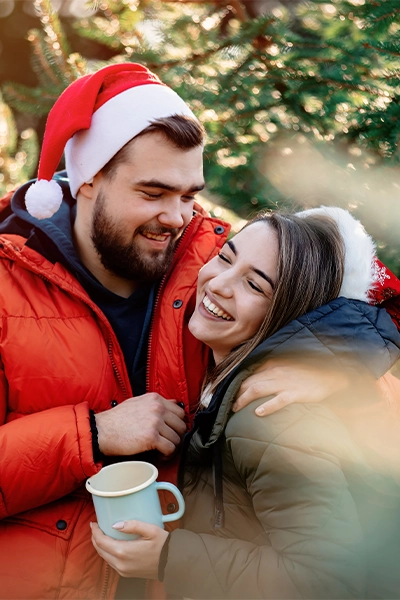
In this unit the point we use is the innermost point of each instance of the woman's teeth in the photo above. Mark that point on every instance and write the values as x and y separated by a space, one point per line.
214 310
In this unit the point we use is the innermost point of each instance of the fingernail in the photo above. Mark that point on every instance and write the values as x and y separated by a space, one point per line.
234 408
259 412
90 524
119 525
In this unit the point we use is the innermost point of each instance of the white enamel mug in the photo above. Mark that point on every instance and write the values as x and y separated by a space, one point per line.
128 490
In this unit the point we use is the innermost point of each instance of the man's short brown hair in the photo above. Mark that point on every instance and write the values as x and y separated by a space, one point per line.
182 132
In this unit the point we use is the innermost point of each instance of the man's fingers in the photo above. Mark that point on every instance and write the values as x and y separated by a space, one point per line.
247 383
174 418
174 407
254 391
165 445
176 423
169 438
170 434
273 405
286 382
257 391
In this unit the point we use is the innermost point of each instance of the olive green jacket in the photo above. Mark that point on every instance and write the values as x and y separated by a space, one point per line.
288 506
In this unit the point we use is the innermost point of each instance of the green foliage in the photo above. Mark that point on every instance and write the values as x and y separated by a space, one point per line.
115 26
54 65
300 107
18 155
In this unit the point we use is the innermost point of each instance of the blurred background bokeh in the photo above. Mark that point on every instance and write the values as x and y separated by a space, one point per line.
300 100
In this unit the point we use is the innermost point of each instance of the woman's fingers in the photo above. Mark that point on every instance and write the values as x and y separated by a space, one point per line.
131 558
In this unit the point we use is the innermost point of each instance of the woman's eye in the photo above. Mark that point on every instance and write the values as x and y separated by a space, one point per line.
255 287
224 258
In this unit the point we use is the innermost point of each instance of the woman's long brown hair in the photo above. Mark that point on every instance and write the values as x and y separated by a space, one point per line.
310 274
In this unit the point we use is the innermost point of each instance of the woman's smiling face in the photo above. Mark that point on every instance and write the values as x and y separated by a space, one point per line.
235 289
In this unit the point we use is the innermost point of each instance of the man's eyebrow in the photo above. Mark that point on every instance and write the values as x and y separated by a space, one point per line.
155 183
260 273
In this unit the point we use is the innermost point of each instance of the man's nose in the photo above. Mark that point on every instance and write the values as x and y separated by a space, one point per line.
172 214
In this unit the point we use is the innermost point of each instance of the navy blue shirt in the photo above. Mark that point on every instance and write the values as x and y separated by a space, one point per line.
130 319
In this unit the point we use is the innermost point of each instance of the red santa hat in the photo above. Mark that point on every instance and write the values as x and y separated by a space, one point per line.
91 121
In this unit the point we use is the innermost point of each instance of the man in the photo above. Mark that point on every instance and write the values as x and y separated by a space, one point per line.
78 292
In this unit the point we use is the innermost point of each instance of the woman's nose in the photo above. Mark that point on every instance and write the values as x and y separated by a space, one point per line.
221 284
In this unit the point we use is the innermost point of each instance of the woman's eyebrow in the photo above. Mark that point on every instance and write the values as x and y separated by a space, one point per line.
232 247
260 273
264 276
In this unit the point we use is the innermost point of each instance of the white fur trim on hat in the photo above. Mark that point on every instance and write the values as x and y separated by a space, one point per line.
114 124
43 198
359 264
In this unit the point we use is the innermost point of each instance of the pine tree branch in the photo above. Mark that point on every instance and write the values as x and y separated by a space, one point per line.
35 39
381 50
391 15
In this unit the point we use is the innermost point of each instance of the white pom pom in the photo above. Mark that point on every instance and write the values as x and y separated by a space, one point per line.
43 199
359 262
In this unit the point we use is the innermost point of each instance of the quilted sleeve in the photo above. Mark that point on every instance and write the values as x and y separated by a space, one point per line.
43 456
290 464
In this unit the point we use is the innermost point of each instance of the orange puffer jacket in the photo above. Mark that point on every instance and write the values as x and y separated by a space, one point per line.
59 358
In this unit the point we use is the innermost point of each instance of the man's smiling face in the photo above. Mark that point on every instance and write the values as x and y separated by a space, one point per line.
142 209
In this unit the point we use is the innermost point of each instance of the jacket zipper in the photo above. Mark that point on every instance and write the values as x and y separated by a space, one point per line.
116 370
156 302
105 582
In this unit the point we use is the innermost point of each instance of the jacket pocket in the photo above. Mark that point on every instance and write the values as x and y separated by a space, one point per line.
57 518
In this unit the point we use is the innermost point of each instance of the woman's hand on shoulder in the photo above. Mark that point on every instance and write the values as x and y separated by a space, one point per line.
287 381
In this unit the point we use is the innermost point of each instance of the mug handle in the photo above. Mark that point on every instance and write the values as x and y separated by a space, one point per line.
164 485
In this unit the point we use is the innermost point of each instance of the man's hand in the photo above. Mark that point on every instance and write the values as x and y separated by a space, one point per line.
289 381
132 558
147 422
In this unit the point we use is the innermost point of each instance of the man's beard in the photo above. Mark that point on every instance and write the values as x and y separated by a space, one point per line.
127 260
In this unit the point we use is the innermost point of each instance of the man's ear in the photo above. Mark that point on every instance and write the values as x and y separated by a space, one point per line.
86 190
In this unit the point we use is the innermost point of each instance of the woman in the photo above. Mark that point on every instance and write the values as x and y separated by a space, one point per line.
289 506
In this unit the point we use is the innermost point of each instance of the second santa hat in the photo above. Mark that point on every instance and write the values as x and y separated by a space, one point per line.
92 120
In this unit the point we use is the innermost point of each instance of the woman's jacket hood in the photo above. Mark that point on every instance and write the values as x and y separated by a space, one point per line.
348 334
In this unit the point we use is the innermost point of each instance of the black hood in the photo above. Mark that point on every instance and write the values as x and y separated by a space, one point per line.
44 235
53 237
